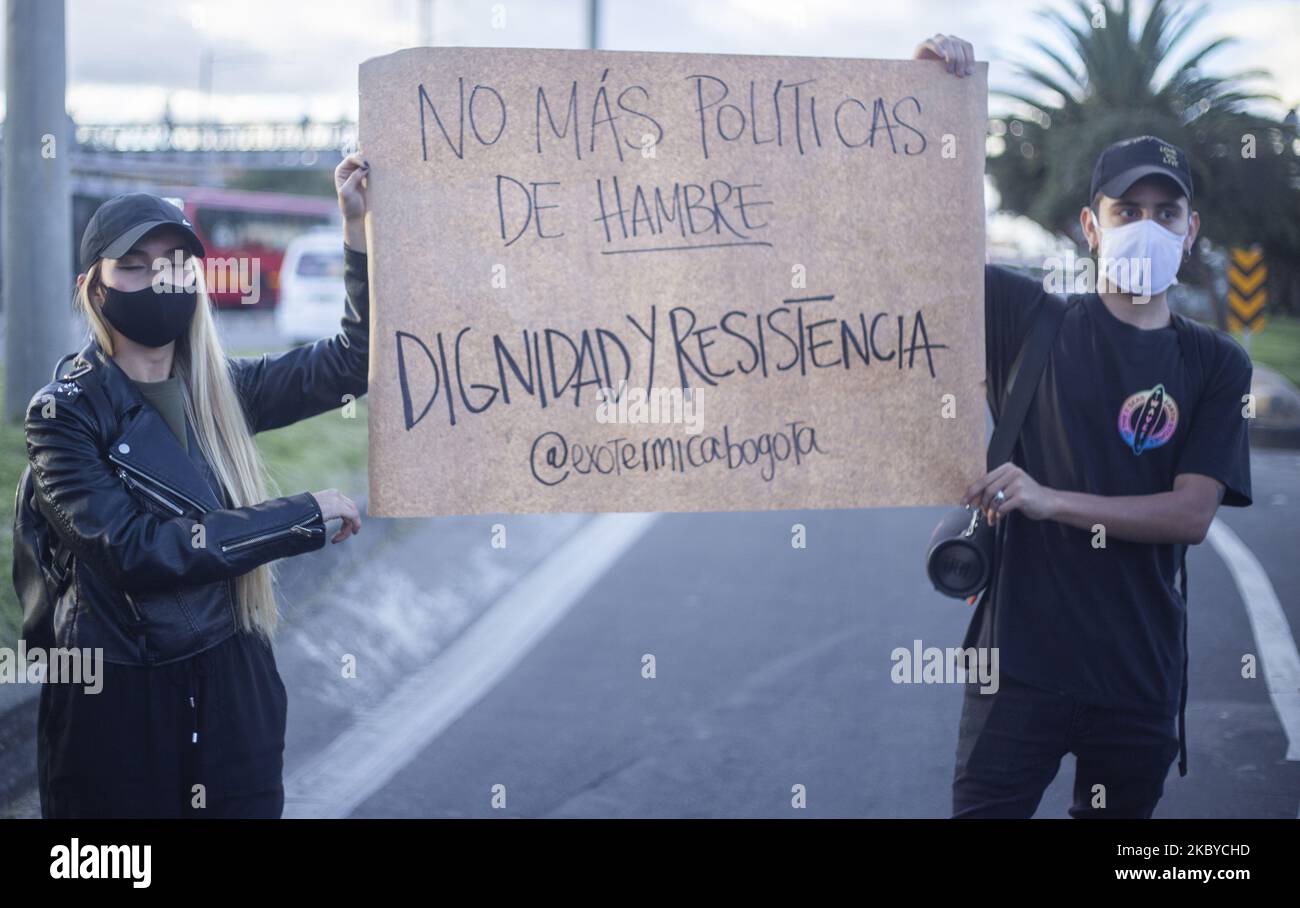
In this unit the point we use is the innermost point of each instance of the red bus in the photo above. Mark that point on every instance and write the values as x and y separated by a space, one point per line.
250 229
253 229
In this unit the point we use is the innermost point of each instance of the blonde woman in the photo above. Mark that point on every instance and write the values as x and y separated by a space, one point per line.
144 466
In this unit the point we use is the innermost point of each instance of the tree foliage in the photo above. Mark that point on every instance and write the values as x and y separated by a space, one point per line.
1123 77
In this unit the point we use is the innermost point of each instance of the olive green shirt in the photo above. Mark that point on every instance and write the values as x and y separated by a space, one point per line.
166 397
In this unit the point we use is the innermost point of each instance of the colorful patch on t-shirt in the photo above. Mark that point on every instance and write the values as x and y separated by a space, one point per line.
1148 419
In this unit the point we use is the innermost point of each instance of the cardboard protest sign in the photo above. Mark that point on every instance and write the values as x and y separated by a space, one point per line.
610 281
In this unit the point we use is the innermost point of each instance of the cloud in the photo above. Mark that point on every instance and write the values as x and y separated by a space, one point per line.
126 57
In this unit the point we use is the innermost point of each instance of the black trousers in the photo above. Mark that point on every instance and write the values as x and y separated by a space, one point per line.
1011 742
203 737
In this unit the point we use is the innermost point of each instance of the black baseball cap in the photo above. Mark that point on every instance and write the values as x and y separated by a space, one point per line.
1124 163
117 224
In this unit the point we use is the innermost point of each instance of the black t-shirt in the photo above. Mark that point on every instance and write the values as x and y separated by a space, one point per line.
1120 411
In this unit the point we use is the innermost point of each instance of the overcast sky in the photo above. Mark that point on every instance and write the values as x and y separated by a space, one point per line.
279 59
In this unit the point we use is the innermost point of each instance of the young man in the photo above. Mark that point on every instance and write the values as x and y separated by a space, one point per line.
1136 435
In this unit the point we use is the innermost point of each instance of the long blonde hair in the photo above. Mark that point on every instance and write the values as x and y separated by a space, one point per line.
214 410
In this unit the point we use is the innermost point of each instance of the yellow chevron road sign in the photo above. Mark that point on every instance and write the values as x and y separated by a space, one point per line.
1247 293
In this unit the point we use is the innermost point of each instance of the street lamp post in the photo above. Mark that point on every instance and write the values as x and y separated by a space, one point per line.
37 217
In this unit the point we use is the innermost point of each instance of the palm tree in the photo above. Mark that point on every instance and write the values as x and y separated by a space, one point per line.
1125 78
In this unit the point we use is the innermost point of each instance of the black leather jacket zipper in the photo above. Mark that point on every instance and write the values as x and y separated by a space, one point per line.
161 499
122 470
135 609
271 534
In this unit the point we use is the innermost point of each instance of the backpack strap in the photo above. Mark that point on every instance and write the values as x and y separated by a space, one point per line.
1022 381
1182 696
1191 352
1190 348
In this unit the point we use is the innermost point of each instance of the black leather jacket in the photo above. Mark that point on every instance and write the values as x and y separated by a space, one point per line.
143 588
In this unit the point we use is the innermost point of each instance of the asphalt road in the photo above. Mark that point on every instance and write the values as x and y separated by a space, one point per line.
772 669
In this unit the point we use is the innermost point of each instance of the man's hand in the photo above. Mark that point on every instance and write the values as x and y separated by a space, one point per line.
350 184
957 55
1019 493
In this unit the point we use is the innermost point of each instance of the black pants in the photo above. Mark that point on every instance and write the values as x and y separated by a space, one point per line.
1011 743
203 737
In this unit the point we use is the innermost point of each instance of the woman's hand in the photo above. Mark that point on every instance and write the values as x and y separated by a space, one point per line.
1019 493
957 55
335 505
350 182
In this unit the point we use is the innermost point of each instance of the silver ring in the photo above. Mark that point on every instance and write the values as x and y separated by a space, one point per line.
1000 496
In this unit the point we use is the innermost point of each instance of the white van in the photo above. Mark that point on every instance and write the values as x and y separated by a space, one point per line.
312 297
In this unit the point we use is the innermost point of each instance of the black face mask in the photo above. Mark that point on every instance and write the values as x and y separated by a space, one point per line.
148 316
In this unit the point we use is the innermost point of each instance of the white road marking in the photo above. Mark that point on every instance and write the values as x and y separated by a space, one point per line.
375 748
1273 638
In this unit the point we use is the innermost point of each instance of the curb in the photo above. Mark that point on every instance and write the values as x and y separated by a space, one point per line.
1275 436
1277 423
